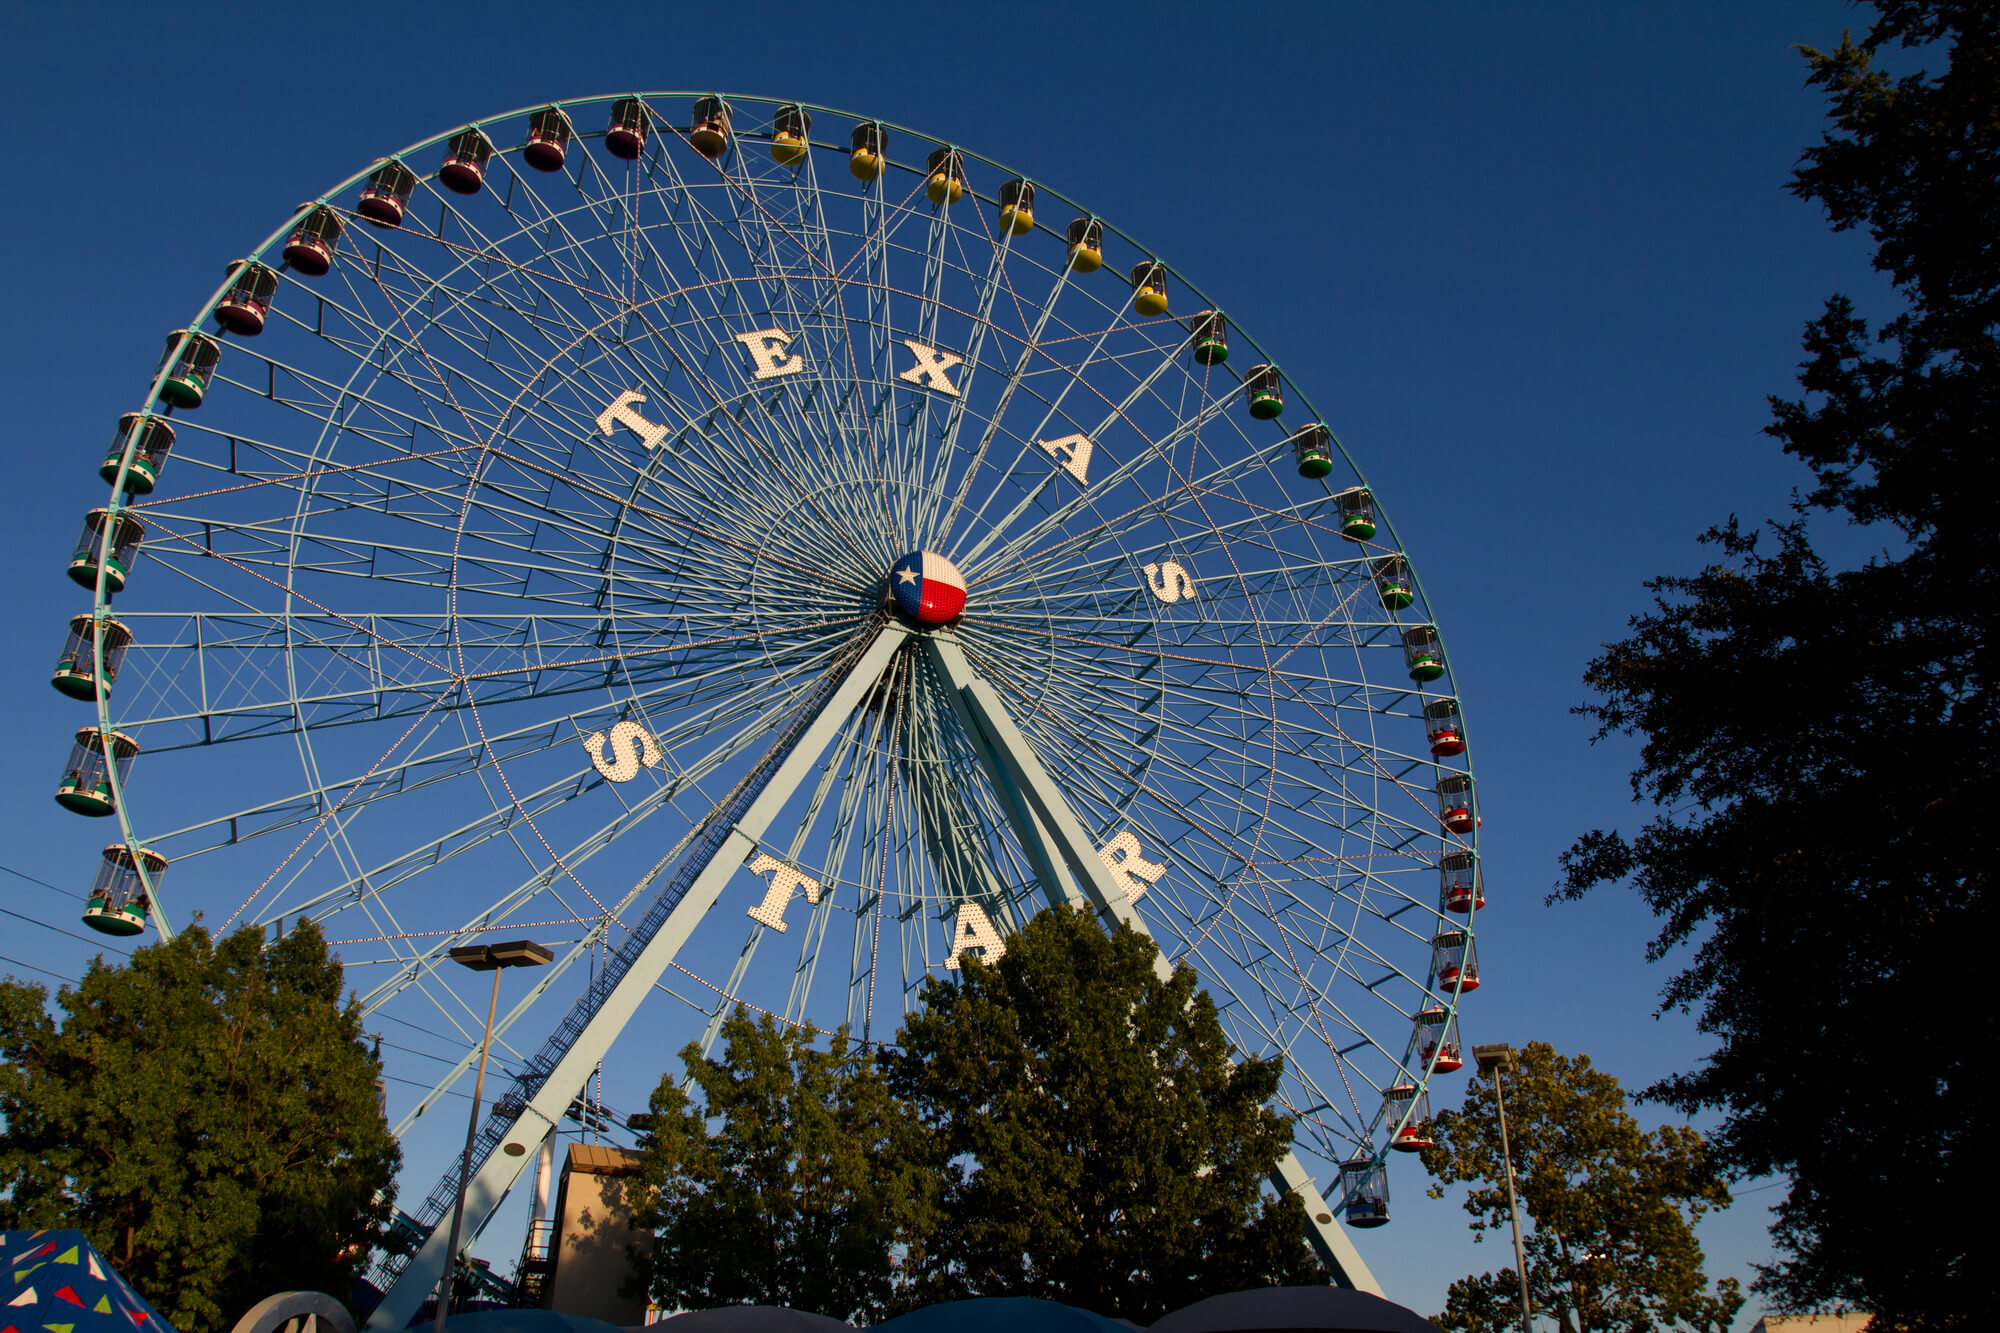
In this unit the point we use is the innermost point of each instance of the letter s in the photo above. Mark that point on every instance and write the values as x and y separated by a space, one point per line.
631 746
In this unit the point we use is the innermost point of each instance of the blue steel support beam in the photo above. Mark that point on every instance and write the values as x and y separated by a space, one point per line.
1052 834
544 1111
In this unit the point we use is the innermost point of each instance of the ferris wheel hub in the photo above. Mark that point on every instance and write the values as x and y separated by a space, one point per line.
927 588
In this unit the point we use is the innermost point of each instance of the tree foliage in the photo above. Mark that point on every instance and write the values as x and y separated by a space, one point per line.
1102 1145
1820 740
801 1192
206 1114
1613 1243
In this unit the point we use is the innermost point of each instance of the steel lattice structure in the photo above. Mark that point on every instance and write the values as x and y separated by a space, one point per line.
529 566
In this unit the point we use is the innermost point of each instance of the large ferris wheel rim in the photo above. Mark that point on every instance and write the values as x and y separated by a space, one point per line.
666 130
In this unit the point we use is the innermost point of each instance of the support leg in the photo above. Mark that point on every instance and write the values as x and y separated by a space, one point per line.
1046 821
545 1109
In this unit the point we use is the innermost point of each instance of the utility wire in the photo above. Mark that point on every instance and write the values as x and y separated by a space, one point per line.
411 1050
36 921
43 970
19 874
449 1092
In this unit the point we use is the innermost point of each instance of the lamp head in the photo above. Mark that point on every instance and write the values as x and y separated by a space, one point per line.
512 953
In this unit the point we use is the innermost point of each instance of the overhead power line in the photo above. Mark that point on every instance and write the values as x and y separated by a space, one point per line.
43 970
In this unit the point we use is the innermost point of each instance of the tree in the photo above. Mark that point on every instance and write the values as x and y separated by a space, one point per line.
1820 740
801 1194
1105 1147
207 1114
1613 1245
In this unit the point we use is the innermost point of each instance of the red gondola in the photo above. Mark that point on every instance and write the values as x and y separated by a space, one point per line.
1454 962
387 194
1455 808
1442 725
549 133
1464 888
464 169
310 249
631 124
243 307
1407 1108
1437 1040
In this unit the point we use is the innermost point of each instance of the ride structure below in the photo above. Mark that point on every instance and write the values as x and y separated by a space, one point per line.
1070 869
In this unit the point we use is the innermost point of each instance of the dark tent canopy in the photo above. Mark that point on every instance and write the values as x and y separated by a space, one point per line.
1331 1309
1002 1314
57 1282
750 1319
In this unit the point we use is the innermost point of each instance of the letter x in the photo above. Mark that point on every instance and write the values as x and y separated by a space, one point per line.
931 367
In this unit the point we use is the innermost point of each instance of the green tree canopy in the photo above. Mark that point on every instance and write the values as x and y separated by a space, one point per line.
206 1114
1820 741
1613 1243
800 1194
1105 1147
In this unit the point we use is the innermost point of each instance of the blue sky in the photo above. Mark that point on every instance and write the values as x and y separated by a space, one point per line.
1536 264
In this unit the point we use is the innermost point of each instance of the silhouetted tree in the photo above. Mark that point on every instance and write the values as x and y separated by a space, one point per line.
1820 741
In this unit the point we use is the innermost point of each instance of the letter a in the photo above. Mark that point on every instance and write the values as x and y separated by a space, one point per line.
767 349
931 367
1073 452
1133 872
785 880
975 931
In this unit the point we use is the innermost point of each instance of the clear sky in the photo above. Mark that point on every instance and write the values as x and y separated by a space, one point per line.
1535 262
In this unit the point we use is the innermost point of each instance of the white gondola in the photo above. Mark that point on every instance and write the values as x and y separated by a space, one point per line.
76 670
118 899
85 786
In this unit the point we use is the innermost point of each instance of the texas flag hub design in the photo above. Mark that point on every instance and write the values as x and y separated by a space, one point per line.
927 587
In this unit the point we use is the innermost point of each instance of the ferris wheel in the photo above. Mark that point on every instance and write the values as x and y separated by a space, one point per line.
776 553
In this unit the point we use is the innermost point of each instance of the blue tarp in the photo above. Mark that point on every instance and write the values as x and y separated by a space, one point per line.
1002 1314
517 1321
57 1282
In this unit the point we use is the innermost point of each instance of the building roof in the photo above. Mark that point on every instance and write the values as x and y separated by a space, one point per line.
1846 1322
601 1160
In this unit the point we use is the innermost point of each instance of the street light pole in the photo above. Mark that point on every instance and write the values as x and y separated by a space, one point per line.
492 958
1492 1059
